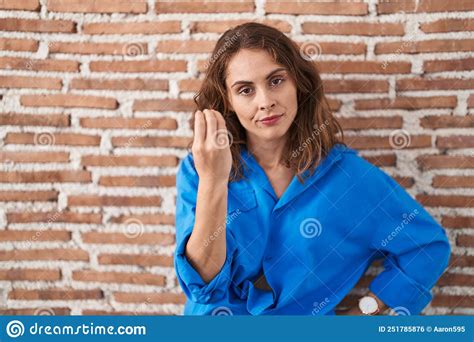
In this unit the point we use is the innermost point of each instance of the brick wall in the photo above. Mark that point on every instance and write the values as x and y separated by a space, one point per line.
95 102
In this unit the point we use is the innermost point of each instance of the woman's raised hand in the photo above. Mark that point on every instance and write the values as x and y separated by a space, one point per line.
211 146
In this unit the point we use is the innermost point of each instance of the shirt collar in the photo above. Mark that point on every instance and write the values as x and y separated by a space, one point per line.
257 176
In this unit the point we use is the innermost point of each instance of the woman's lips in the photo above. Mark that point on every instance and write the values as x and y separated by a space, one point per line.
273 121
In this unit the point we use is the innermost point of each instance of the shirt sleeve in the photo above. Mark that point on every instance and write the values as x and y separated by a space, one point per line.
415 246
194 287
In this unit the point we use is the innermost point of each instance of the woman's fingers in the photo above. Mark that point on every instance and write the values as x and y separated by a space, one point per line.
211 125
199 128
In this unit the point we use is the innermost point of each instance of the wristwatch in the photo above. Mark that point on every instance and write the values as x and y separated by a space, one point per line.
368 305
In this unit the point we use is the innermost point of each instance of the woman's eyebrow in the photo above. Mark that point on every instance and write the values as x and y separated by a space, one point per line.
268 76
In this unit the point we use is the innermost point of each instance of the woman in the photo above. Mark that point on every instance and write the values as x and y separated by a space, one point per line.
274 214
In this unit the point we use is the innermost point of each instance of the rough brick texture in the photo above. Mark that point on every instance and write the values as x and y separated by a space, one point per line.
95 103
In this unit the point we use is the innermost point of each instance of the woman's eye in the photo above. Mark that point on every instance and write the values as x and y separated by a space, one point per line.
278 79
242 91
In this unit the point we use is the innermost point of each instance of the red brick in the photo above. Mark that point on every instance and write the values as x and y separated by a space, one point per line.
447 45
139 66
329 8
452 301
35 235
185 46
99 48
127 123
179 105
456 279
118 238
429 162
38 64
119 277
141 181
143 260
46 177
451 201
119 84
135 201
222 25
30 82
179 142
30 274
421 6
189 85
36 311
363 123
27 5
408 103
71 139
17 196
461 260
34 157
205 6
19 44
45 254
54 217
447 121
459 141
465 240
161 27
382 160
355 86
375 142
103 6
363 67
69 101
151 298
37 25
448 25
448 65
335 48
434 84
16 119
458 222
55 294
453 182
145 219
353 28
137 161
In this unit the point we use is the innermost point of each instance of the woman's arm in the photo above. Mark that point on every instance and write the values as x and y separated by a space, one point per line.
206 247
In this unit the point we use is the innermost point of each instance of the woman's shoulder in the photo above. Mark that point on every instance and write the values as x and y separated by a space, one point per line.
356 167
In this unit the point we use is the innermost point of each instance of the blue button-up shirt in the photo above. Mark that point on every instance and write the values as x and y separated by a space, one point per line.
314 242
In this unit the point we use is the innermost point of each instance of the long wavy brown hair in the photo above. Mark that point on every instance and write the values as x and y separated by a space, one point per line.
314 130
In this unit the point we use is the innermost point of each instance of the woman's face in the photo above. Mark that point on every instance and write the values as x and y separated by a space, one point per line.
259 88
